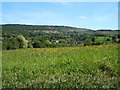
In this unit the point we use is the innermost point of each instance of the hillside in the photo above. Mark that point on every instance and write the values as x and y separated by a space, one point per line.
50 29
41 27
71 67
42 36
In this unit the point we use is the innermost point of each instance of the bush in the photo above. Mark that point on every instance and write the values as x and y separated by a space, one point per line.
23 41
30 45
10 43
38 44
88 42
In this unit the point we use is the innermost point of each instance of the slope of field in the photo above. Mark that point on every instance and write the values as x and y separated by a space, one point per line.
76 67
40 27
28 30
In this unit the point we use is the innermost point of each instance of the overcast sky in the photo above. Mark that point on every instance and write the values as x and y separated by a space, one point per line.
91 15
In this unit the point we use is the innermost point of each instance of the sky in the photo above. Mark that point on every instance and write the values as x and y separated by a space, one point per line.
91 15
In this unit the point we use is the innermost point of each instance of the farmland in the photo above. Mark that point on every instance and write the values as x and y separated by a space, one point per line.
17 36
64 67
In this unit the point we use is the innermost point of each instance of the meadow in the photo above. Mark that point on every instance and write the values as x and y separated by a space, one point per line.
65 67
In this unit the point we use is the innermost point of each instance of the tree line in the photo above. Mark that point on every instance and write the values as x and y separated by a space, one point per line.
28 36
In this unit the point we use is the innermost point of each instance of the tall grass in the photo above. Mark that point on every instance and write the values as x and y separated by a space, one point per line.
76 67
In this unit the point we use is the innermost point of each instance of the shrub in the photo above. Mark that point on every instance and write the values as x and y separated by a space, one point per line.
87 42
23 41
10 43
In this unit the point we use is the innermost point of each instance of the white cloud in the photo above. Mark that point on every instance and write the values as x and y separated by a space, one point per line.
82 17
101 19
45 17
65 3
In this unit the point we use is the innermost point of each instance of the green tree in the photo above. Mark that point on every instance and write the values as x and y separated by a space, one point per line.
38 44
10 43
30 45
23 42
87 41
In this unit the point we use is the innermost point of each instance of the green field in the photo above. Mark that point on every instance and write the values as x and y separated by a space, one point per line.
76 67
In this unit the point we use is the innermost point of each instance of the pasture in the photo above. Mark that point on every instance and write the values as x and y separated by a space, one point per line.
67 67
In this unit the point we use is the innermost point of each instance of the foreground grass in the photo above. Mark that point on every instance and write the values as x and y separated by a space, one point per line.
76 67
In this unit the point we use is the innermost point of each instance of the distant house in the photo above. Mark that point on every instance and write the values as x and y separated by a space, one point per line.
55 41
33 42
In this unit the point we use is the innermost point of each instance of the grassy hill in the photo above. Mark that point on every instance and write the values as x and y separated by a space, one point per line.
46 36
40 27
69 67
20 28
59 57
